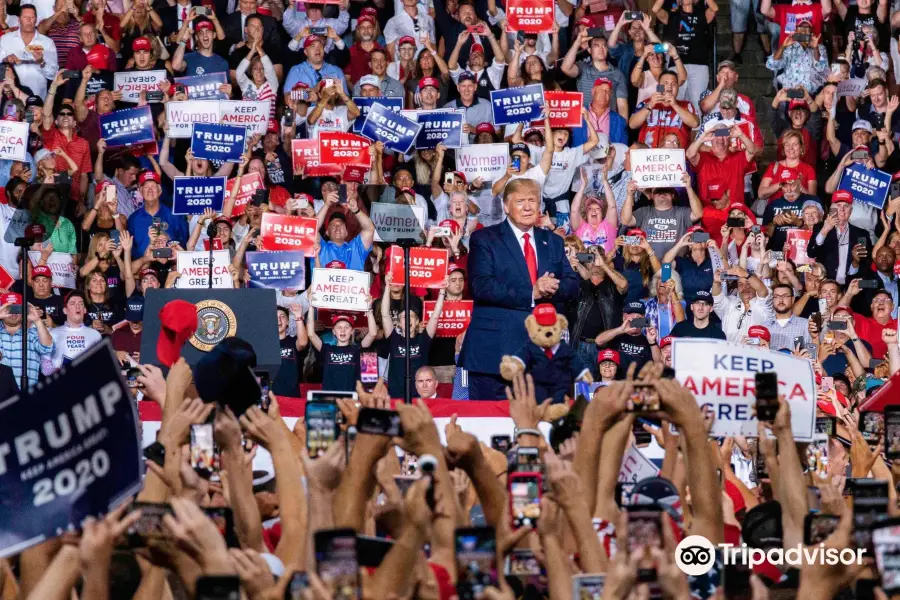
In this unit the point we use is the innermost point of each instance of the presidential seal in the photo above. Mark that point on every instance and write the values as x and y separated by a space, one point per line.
215 322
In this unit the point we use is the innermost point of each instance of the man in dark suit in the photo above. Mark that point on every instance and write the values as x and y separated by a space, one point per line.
234 26
838 245
513 266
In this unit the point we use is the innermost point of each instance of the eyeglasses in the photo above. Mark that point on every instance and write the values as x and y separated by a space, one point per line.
782 296
66 114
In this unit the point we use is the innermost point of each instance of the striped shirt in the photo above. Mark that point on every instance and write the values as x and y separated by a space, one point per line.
66 39
11 347
783 336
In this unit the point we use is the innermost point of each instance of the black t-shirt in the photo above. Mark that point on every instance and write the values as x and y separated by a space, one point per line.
687 329
777 207
340 367
287 380
443 352
107 312
631 349
51 306
419 346
855 22
689 32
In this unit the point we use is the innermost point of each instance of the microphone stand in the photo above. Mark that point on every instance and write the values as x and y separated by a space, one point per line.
406 244
24 243
211 233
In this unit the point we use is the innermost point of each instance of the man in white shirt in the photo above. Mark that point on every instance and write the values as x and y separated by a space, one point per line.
411 22
752 305
74 337
33 54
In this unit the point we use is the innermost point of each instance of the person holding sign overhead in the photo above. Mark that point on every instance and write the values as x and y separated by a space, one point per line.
352 253
513 266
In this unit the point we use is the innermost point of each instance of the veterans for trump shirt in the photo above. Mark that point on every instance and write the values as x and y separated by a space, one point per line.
69 342
663 227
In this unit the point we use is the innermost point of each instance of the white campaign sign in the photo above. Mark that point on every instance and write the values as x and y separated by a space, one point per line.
488 161
13 140
252 114
132 83
635 466
851 87
340 289
396 221
721 375
180 116
193 269
657 168
63 267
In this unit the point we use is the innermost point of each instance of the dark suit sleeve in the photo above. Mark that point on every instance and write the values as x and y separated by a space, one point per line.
491 284
814 250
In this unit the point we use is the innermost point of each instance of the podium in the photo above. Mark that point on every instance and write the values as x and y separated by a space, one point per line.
245 313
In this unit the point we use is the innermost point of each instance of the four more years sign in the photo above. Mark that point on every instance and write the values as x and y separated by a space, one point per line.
78 456
722 377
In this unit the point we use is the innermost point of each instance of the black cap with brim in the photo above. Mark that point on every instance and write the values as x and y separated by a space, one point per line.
519 147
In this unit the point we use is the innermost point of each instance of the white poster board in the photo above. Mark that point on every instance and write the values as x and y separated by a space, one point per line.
252 114
340 289
63 267
396 221
181 116
193 269
657 167
13 140
488 161
132 83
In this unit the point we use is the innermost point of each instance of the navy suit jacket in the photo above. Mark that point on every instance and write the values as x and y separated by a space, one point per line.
502 291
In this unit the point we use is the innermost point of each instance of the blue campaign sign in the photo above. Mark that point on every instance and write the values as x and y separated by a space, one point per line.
282 270
127 127
217 142
366 104
440 128
78 456
517 105
204 87
193 195
869 186
393 129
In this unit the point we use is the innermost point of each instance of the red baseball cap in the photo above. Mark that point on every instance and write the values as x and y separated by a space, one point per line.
845 309
149 271
142 43
795 104
544 314
366 19
98 57
178 322
461 175
148 175
476 49
336 264
637 232
273 126
760 332
41 271
204 25
429 81
603 81
584 21
369 11
788 175
11 298
310 40
453 225
406 39
485 128
608 355
666 341
337 317
842 196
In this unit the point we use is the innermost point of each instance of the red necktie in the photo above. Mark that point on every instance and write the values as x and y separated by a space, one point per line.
549 353
184 16
530 259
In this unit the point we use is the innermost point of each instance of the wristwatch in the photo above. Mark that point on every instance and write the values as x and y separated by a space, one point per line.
526 431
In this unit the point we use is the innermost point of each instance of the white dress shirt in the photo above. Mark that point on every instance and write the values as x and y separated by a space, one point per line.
737 319
520 236
402 24
31 75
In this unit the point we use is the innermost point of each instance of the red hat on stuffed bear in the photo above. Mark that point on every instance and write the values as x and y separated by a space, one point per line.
544 314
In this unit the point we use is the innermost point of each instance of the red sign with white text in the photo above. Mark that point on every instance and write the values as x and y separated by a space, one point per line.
217 244
454 319
564 108
530 16
249 184
305 155
354 174
427 266
339 148
287 232
797 241
6 279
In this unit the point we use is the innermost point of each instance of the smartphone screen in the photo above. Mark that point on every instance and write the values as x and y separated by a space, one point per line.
524 498
644 398
149 524
501 443
516 163
368 363
476 561
892 431
641 437
218 587
886 540
296 587
644 531
321 427
203 450
766 396
867 510
666 272
371 550
379 422
817 527
262 378
872 425
336 562
826 426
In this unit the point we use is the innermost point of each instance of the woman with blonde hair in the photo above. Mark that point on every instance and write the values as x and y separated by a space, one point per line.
793 147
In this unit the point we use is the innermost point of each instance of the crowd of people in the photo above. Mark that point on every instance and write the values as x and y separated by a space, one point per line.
779 252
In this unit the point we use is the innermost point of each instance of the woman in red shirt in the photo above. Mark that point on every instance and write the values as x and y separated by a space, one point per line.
792 144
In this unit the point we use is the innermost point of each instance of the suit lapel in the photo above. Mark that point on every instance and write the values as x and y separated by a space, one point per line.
542 249
512 244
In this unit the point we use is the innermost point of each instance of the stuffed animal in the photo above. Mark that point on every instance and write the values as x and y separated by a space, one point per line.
552 363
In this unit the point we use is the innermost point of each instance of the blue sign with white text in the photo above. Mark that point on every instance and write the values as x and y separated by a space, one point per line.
127 127
78 456
366 104
517 105
217 142
281 270
869 186
440 128
204 87
396 131
193 195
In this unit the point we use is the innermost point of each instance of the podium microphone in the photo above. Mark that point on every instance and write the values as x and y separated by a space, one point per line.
211 231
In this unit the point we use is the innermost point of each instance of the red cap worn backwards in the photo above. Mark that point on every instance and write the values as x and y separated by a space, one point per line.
842 196
544 314
177 323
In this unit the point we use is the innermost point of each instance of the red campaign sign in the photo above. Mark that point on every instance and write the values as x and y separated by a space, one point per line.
797 240
564 108
427 266
217 244
354 174
339 148
530 16
249 184
306 155
6 279
287 232
454 318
